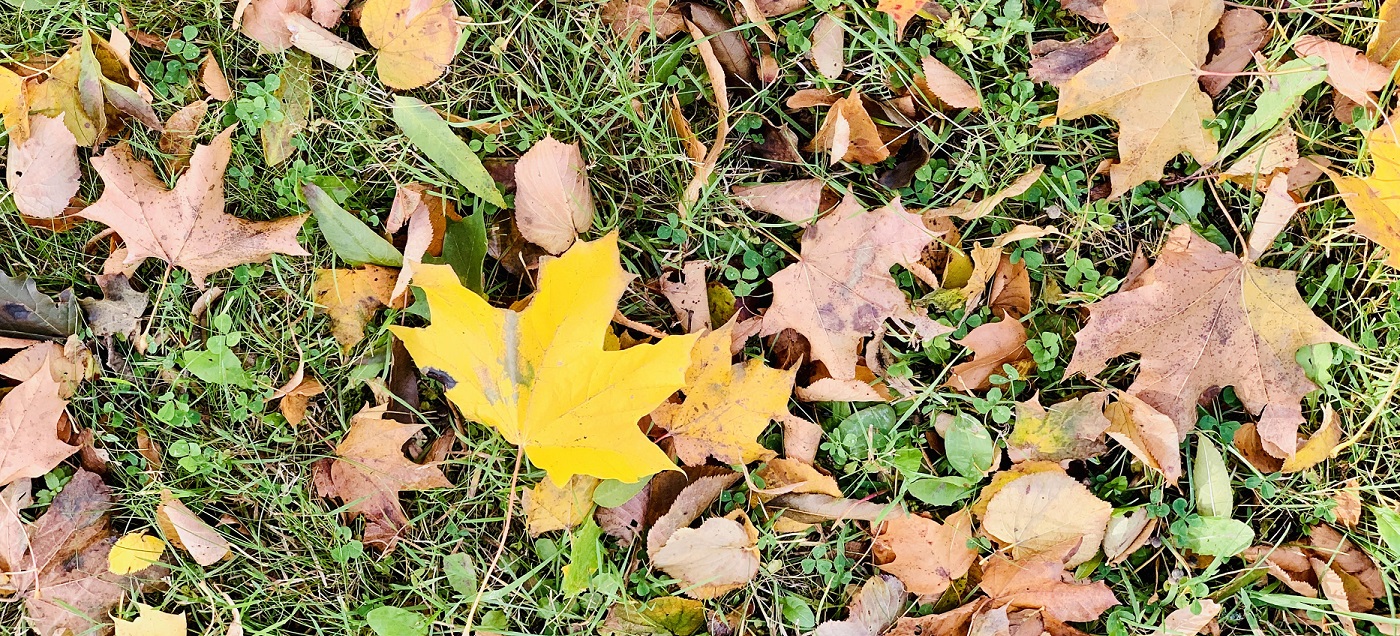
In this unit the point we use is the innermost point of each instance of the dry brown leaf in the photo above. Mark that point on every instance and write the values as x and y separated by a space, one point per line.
967 211
627 521
629 19
1072 429
42 173
715 70
1044 584
185 530
1318 447
1091 10
1127 531
549 507
872 610
350 297
213 80
1257 168
1239 35
13 538
811 98
1010 293
941 84
926 555
849 134
718 557
1247 442
30 415
993 345
426 225
1161 44
552 202
1206 319
783 475
370 469
1348 70
676 117
682 499
954 622
801 438
177 140
829 46
262 21
327 12
797 202
320 43
1047 513
726 406
1187 622
1347 508
1150 436
1055 62
187 226
294 402
841 291
731 50
689 296
809 508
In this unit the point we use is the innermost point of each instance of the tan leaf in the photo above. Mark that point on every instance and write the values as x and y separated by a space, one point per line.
370 469
719 85
726 406
42 173
829 46
954 622
993 345
689 296
1055 62
212 77
185 530
294 402
1150 436
1127 531
1240 33
424 227
782 476
797 202
552 202
187 226
841 291
262 21
1247 442
1348 70
968 211
873 609
1347 502
351 297
718 557
1186 622
120 309
327 12
13 539
1072 429
1010 293
1091 10
1383 48
941 84
849 134
324 45
1204 319
811 98
1047 513
177 140
1044 584
926 555
416 39
29 420
1258 167
549 507
686 503
1161 44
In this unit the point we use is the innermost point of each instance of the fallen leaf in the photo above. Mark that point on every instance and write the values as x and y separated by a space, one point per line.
320 43
327 12
13 538
348 236
294 95
262 21
185 530
29 419
1161 44
177 140
42 173
369 470
901 11
120 309
665 616
719 86
1091 10
1070 430
873 609
416 39
968 211
294 402
1210 479
1318 447
187 226
1372 199
1283 92
351 297
925 554
629 19
716 558
689 296
829 46
1188 622
430 133
679 499
1047 513
1044 584
26 312
152 622
552 202
134 552
731 50
1348 70
941 84
726 406
1275 156
14 105
993 345
797 202
1010 293
841 291
849 134
1347 504
1128 530
1239 35
1149 435
211 76
549 507
518 371
1055 62
1204 319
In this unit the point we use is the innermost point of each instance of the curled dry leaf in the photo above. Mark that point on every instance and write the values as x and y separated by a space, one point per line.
1055 62
185 530
1044 584
1047 513
872 611
718 557
552 202
320 43
294 402
841 291
1070 430
849 134
549 507
1188 622
1161 44
26 312
187 226
1127 531
1348 70
1149 435
351 297
1318 447
926 555
177 140
416 39
942 84
370 469
678 500
1203 319
993 345
1239 35
42 173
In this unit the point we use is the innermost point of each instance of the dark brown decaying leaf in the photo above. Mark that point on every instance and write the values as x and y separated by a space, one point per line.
25 312
1091 10
120 309
1240 33
731 49
1054 62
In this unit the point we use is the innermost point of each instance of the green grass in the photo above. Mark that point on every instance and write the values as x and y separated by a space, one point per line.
297 568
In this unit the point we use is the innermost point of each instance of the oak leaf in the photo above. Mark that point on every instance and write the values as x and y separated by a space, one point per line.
416 39
727 406
1072 429
350 297
187 226
1203 319
1373 199
370 469
1047 513
120 309
42 173
552 202
841 290
541 377
925 554
1147 83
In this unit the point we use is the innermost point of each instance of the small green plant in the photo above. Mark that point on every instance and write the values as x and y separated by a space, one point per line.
261 105
177 71
759 264
1082 275
216 362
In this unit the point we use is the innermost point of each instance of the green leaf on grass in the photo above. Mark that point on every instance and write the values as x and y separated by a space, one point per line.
969 446
460 573
1284 87
612 493
348 236
1211 479
1217 537
941 491
464 249
585 556
394 621
431 134
1388 526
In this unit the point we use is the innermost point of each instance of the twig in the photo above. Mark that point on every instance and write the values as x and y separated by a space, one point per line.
500 543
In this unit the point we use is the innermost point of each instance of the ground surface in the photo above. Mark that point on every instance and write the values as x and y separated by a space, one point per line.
299 570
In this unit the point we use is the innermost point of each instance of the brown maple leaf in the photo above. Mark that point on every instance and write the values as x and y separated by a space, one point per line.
29 420
369 471
841 290
1203 319
187 226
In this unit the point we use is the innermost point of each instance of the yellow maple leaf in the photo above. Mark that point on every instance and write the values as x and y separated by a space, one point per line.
152 622
541 376
134 552
726 405
416 39
1375 200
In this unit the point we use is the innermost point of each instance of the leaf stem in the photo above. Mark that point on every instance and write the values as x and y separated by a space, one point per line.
500 542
